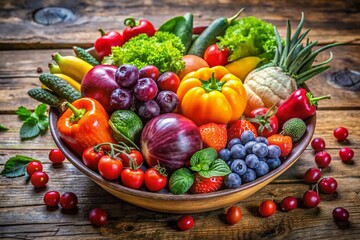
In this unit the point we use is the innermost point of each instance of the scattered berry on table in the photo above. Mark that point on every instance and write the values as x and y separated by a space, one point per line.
340 214
322 159
56 156
33 166
312 175
52 198
267 208
311 199
39 179
318 144
68 200
341 133
346 154
98 217
185 223
328 185
288 204
233 215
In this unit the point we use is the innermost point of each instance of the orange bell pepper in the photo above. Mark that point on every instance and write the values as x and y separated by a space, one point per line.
84 124
211 95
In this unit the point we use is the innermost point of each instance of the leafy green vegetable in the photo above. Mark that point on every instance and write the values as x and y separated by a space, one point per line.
201 160
164 50
15 166
250 37
3 128
34 123
180 181
217 168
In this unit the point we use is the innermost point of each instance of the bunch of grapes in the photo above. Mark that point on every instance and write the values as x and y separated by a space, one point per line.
139 92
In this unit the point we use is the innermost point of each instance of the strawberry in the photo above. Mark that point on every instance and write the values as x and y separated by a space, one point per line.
283 142
214 135
206 185
238 127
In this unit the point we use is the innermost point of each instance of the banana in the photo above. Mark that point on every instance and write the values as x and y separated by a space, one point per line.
45 87
72 66
53 68
68 79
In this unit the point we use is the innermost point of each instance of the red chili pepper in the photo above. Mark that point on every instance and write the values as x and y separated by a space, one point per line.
104 43
300 104
135 28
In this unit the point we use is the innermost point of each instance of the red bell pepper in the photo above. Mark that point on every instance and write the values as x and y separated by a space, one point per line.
135 28
84 124
301 104
104 43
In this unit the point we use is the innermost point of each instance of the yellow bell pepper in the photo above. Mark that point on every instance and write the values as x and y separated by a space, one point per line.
243 66
211 95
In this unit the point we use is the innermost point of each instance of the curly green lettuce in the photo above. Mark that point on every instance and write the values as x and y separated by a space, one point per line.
250 36
164 50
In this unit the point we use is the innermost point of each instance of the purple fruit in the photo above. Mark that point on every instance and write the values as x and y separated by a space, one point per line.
145 89
167 101
120 99
126 76
148 110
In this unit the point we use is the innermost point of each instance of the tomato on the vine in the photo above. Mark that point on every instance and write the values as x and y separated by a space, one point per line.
110 168
136 156
91 157
215 56
132 178
155 179
264 120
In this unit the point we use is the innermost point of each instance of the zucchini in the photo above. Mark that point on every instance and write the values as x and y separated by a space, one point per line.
60 87
84 55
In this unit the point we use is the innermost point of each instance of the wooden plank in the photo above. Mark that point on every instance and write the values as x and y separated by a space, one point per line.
323 17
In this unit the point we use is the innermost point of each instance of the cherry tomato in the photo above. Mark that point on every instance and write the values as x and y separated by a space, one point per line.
33 166
168 81
233 215
216 56
155 180
268 120
91 157
136 156
149 71
52 198
110 168
39 179
68 200
185 223
98 217
56 156
267 208
346 154
341 133
132 178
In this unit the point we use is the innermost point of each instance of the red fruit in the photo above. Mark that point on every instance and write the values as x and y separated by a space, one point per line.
168 81
98 217
52 198
267 208
216 56
312 175
110 168
346 154
238 127
288 204
283 142
185 223
341 133
155 178
340 214
56 156
318 144
149 71
206 185
132 178
322 159
233 215
328 185
39 179
33 166
68 200
311 199
214 135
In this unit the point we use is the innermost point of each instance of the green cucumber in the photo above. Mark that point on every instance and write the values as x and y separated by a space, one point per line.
60 87
45 96
209 35
84 55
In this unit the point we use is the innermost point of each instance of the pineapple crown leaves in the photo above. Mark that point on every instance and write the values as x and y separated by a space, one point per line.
297 59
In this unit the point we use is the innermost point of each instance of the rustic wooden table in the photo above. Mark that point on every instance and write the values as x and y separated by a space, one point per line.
25 49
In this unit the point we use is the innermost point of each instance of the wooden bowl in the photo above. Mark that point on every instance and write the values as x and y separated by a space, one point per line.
186 203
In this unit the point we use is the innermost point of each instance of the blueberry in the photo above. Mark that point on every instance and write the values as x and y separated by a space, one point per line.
261 169
248 176
232 142
274 151
229 163
238 166
224 154
232 181
273 163
252 161
247 136
261 139
260 149
238 151
262 159
249 146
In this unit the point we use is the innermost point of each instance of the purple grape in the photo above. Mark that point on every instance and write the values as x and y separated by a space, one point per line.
121 99
126 76
148 110
167 101
145 89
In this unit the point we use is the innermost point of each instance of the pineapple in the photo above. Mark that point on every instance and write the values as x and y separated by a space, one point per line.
292 65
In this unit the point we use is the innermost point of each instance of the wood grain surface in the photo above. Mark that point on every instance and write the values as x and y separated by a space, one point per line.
25 50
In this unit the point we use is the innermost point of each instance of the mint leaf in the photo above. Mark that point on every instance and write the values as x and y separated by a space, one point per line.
43 122
23 113
180 181
217 168
40 109
3 128
30 128
15 166
202 159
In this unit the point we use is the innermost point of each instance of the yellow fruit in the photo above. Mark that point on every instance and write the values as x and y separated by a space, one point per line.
68 79
243 66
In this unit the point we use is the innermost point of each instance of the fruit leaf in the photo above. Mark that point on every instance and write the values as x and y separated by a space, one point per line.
15 166
201 160
217 168
30 128
23 113
3 128
180 181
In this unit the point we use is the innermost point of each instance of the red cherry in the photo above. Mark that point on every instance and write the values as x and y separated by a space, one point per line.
288 204
68 200
39 179
346 154
233 215
98 217
318 144
185 223
328 185
311 199
312 175
267 208
56 156
33 166
340 214
341 133
52 198
322 159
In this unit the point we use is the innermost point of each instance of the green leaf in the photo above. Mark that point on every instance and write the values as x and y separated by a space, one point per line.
15 166
40 109
30 128
43 122
181 181
23 113
202 159
3 128
217 168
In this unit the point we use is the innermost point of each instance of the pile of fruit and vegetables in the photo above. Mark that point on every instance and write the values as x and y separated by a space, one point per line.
181 109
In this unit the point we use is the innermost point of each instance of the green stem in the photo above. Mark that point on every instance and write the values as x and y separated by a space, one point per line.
233 18
130 22
314 100
213 81
77 113
103 33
